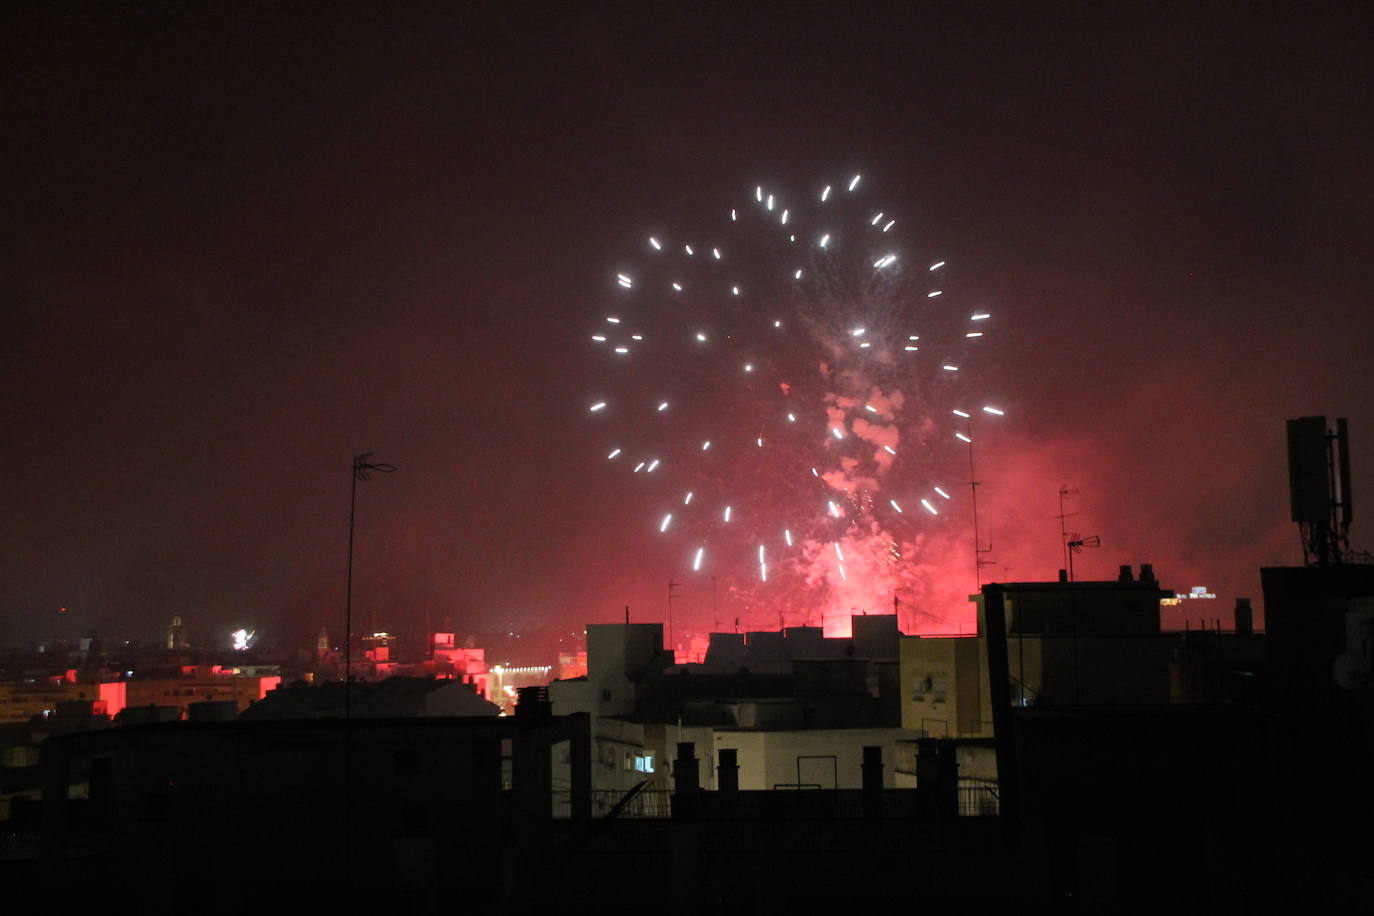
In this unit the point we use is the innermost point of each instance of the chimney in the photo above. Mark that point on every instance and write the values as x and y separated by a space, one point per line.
1125 574
1245 617
873 780
1063 575
1147 573
685 781
532 704
727 772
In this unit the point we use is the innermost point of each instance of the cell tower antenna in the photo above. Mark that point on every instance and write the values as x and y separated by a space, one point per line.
1319 489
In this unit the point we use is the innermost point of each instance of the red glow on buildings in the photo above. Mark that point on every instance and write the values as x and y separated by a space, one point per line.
112 694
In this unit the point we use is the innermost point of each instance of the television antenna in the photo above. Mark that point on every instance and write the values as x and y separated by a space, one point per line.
1076 543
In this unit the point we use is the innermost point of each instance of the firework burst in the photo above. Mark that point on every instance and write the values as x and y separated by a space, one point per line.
788 391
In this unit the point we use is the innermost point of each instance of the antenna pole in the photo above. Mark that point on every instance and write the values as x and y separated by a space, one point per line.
672 586
715 612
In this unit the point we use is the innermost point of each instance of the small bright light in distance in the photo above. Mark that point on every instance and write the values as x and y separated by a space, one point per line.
929 508
758 193
688 249
980 316
636 336
701 337
836 433
652 464
639 467
815 473
614 452
842 575
748 367
894 505
865 345
612 319
653 241
951 368
599 338
777 324
890 224
974 334
942 492
624 280
677 287
825 240
760 441
663 406
909 348
914 337
797 275
791 418
937 265
870 408
889 449
734 216
599 405
735 290
854 182
839 553
696 561
727 513
705 445
960 413
687 500
834 509
770 201
787 536
763 568
933 293
622 349
857 332
994 411
825 195
715 252
962 438
664 525
784 217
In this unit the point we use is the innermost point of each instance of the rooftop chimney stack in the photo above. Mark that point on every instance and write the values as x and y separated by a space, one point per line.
1125 574
1245 617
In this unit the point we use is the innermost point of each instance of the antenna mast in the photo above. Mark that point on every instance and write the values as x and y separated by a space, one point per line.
1064 492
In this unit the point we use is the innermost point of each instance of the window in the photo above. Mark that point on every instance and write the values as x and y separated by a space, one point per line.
606 695
629 761
644 763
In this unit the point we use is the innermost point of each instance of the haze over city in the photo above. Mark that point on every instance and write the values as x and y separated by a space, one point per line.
248 243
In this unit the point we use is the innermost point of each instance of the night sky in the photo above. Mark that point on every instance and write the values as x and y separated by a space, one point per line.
245 241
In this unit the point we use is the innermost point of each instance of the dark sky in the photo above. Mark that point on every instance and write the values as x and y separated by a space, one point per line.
247 240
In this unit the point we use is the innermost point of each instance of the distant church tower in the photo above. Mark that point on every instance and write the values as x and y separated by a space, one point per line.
322 646
176 634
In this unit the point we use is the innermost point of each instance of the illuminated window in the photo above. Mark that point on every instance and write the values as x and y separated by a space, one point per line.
644 763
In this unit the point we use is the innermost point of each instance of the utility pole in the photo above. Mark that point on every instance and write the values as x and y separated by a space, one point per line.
362 466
